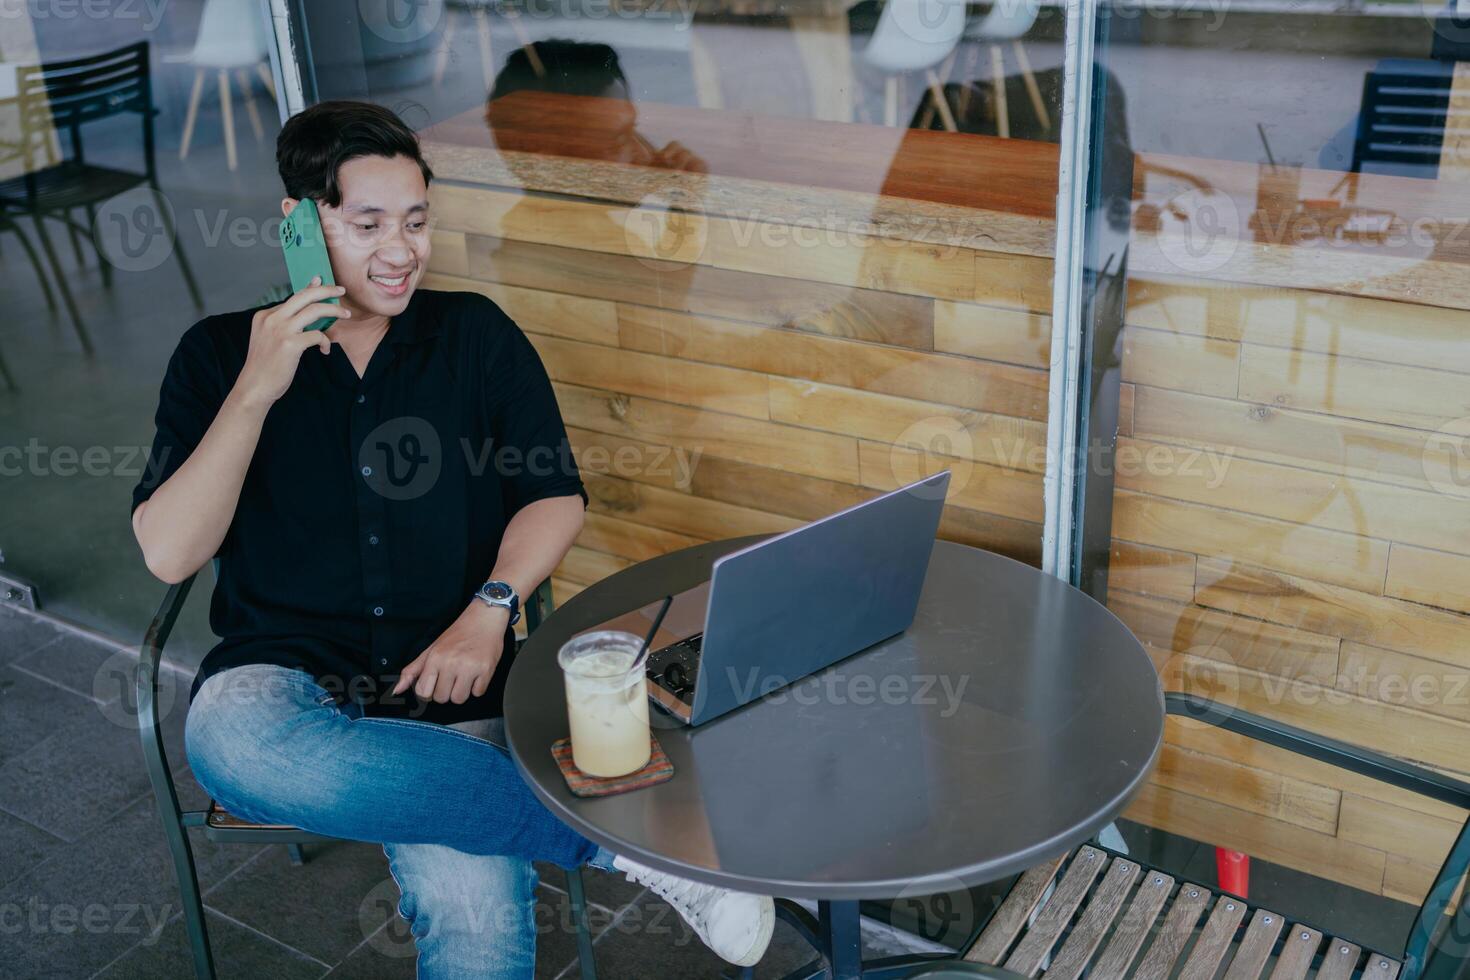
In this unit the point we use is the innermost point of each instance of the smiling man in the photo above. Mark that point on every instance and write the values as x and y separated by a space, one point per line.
379 496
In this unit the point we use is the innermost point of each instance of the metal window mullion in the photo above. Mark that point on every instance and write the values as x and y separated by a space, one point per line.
285 66
1060 484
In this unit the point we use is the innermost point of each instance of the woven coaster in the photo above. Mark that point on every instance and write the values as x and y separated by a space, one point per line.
659 769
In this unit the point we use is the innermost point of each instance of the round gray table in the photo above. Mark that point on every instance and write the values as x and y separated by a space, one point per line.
1013 720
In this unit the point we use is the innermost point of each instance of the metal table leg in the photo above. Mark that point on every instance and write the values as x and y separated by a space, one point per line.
836 935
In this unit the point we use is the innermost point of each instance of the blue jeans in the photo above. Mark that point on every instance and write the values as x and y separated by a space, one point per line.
459 825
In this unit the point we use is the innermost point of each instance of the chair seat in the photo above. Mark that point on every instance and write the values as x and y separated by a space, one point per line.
69 185
225 820
1083 909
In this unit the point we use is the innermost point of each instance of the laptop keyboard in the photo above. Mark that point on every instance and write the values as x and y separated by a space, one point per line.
675 667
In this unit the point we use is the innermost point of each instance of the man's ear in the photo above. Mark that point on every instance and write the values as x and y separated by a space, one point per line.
288 204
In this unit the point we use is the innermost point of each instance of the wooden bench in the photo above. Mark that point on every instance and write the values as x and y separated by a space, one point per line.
1093 912
1093 895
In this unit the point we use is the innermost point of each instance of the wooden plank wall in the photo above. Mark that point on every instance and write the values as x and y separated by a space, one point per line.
721 378
1311 564
1289 533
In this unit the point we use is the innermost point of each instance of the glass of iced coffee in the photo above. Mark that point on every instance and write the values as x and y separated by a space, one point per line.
607 704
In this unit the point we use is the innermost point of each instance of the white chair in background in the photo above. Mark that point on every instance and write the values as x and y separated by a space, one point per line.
231 38
1008 20
914 35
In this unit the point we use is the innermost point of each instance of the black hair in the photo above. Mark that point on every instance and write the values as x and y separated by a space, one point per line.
315 142
569 67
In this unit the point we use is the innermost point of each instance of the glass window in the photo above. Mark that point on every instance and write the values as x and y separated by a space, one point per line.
138 186
1291 486
776 258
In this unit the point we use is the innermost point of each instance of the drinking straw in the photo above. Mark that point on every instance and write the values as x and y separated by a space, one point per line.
1270 158
657 622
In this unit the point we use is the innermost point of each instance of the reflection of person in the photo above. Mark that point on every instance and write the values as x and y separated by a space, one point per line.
586 69
355 499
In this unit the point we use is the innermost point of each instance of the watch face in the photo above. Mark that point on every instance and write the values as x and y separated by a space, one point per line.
496 590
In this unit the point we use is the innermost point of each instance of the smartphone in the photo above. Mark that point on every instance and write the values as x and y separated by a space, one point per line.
305 248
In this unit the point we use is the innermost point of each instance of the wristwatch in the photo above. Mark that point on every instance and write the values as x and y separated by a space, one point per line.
501 594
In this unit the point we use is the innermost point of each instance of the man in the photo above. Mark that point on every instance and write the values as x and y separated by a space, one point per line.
379 495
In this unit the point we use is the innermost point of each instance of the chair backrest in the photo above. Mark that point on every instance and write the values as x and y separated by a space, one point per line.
58 95
915 34
1008 20
231 35
86 89
1401 122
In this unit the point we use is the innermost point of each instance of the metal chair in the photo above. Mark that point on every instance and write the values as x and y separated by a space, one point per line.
222 827
1073 915
66 95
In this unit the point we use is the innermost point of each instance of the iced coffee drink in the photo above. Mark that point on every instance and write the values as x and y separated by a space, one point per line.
607 705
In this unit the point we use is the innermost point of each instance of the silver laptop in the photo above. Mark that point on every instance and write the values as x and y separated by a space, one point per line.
790 605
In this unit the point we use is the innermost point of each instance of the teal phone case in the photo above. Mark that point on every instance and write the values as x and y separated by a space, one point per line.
305 248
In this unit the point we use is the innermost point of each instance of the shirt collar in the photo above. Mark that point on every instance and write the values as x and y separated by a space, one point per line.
418 321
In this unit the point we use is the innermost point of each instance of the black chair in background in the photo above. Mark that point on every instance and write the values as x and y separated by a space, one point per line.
64 96
1401 123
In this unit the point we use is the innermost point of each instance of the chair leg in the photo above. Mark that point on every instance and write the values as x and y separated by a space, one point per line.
67 301
192 115
578 899
487 61
25 243
227 114
76 242
265 78
102 262
5 373
297 855
178 249
193 904
446 46
1032 89
890 100
998 81
941 102
248 97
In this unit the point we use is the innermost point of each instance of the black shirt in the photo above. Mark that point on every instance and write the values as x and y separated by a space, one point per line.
373 507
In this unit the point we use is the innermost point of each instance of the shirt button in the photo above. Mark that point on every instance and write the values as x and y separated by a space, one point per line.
372 539
377 610
361 399
367 471
384 661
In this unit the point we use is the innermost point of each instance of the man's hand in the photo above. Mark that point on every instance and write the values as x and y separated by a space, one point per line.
459 664
278 336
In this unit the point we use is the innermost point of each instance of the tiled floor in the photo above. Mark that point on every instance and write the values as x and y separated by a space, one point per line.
87 887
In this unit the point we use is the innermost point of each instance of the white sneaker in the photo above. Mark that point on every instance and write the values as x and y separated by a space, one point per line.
736 926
